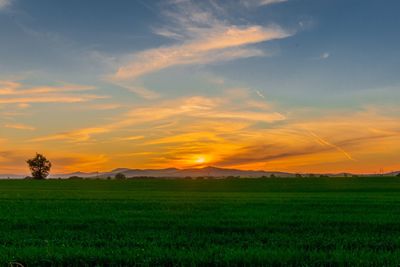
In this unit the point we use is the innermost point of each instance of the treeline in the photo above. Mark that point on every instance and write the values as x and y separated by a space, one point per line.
121 176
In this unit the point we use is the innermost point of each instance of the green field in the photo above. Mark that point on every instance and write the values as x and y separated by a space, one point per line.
290 222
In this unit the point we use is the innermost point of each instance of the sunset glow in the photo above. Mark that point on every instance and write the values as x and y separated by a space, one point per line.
200 160
266 85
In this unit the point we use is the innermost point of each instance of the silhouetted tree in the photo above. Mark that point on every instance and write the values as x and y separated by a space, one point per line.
120 176
398 175
39 166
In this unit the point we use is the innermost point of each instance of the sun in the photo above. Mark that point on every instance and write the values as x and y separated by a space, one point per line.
200 160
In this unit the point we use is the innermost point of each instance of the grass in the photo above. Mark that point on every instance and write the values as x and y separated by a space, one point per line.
246 222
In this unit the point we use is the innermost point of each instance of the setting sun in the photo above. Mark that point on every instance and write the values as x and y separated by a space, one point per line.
200 160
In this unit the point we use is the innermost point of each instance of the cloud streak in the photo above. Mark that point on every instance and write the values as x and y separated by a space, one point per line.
196 108
19 126
16 93
200 38
326 143
81 135
214 45
257 3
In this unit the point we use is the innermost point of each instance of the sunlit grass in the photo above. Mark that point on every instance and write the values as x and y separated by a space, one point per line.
204 222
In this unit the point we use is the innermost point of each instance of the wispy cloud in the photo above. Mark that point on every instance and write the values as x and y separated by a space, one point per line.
13 88
249 3
196 108
16 93
295 145
80 135
267 154
200 38
131 138
19 126
81 162
324 55
217 44
51 99
105 106
200 107
269 2
140 91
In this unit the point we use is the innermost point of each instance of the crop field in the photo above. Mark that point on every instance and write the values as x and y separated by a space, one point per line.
288 222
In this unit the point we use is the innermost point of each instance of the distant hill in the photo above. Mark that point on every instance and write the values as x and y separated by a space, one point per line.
193 172
393 173
11 176
210 171
77 174
174 172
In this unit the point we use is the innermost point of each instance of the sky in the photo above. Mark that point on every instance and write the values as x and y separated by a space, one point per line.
278 85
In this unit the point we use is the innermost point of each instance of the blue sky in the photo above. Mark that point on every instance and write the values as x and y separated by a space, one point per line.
358 38
268 66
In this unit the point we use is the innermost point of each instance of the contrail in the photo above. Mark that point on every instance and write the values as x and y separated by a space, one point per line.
324 142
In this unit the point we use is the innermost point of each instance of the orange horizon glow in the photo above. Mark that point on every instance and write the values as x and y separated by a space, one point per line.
362 142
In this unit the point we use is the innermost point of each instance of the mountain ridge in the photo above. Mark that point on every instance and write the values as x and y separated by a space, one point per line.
208 171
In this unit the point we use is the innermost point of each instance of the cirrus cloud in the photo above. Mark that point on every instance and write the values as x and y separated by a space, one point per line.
12 92
216 45
19 126
256 3
200 38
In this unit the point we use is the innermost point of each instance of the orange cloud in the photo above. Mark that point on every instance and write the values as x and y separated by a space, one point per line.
201 38
235 129
80 135
51 99
19 126
15 93
220 43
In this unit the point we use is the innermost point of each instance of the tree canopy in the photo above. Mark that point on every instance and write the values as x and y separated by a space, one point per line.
40 166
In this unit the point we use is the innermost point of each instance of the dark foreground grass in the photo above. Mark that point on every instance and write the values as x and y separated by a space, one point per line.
288 222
